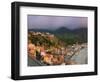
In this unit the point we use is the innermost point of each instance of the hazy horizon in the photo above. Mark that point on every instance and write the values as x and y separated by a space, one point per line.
55 22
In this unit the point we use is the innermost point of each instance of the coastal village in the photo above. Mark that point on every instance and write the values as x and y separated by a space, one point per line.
47 49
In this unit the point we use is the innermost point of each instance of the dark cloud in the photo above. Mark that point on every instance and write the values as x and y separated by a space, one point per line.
54 22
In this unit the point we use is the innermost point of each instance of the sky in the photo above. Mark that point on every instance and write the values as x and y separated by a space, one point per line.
55 22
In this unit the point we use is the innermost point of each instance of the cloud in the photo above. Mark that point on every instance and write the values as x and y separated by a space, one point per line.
54 22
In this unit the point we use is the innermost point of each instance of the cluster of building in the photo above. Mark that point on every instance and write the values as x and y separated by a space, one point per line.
52 55
45 34
56 55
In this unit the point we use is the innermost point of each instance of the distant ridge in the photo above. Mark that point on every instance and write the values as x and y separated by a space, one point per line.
67 34
62 30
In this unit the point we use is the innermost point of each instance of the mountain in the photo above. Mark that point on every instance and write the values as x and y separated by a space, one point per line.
72 36
80 30
82 33
67 35
62 30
